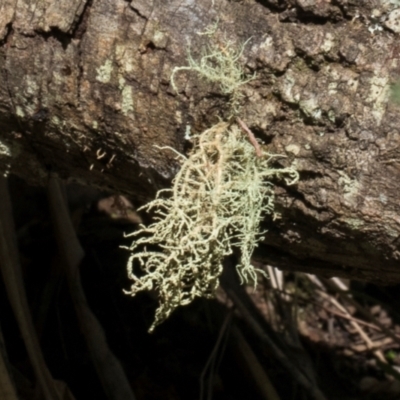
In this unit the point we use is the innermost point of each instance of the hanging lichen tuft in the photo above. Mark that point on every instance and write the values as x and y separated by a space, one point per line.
218 199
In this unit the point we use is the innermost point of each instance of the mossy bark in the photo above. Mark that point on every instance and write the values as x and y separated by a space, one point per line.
85 91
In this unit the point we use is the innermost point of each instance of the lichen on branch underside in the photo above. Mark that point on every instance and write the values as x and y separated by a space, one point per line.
217 201
216 204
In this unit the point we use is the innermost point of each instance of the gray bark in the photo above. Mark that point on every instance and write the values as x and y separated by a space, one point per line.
85 91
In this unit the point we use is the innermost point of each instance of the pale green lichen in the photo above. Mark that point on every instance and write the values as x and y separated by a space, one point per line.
20 112
127 100
216 204
104 72
395 92
210 29
219 63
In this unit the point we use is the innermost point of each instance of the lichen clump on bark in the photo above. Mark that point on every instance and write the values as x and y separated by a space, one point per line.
216 204
219 63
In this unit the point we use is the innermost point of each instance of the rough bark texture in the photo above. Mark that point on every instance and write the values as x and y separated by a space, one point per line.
85 91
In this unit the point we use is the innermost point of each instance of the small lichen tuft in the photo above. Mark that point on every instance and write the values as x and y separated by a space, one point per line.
219 63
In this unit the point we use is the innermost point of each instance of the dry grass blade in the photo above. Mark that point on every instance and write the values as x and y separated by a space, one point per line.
369 343
280 356
264 385
7 389
108 368
12 277
211 359
362 310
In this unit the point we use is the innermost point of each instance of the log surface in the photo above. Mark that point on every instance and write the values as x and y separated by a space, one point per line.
85 91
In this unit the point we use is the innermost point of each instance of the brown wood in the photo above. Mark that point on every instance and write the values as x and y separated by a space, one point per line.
85 91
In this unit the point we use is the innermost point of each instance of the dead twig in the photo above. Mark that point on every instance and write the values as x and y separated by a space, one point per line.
251 136
249 359
378 354
211 359
7 388
12 276
369 343
331 311
362 310
109 369
298 376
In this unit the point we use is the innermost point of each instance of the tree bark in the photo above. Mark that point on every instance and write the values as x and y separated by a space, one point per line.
85 91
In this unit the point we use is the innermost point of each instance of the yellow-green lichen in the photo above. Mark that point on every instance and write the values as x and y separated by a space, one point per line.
55 120
350 189
160 39
219 64
395 92
216 204
378 95
5 149
104 72
20 112
127 100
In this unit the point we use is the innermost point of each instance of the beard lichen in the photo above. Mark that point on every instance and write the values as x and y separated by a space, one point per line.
216 204
219 63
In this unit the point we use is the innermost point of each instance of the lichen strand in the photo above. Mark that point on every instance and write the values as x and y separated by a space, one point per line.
219 63
216 204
